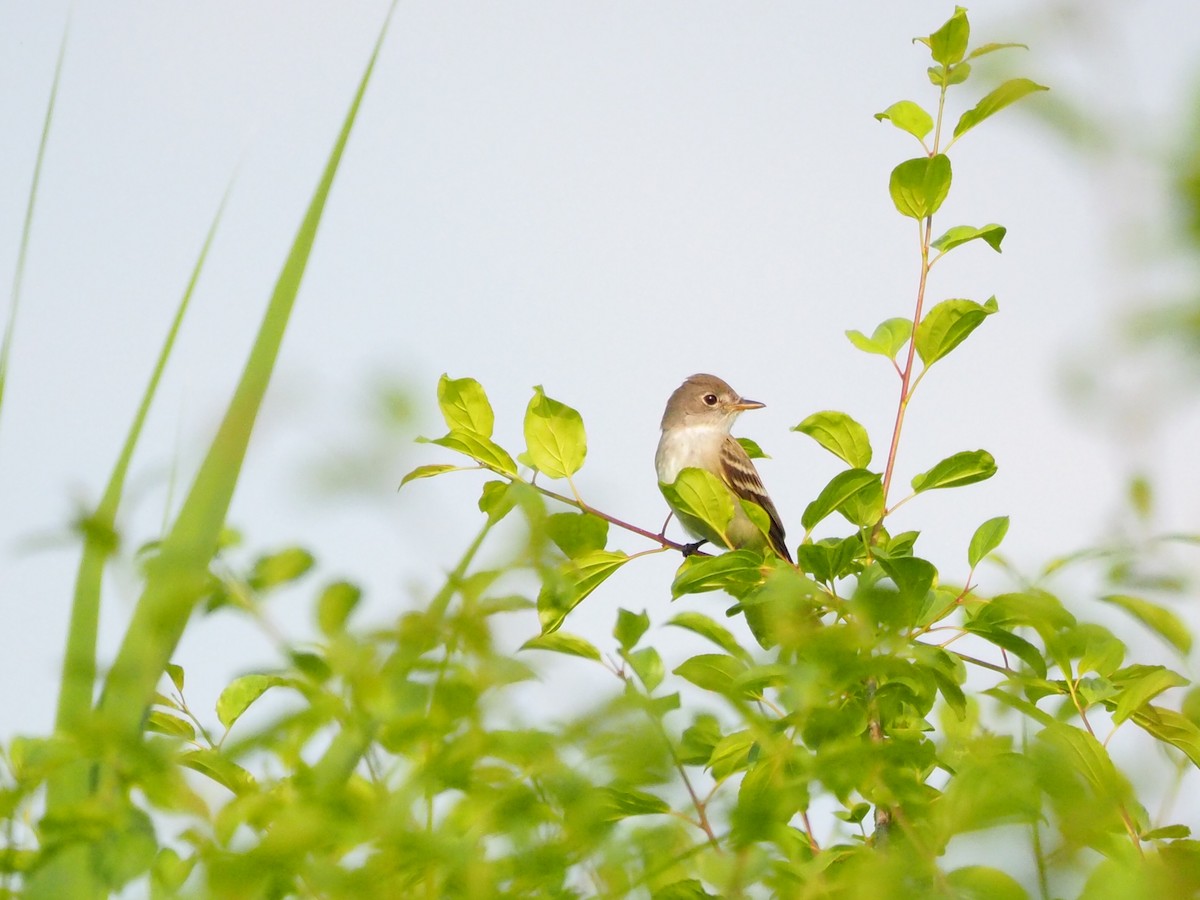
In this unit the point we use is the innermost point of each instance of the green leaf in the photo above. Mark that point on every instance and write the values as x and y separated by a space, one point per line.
1168 725
1166 833
579 577
554 436
241 692
991 235
1158 619
428 472
711 671
334 606
622 804
279 568
987 537
480 449
561 642
630 627
496 500
947 325
966 467
1149 683
465 406
219 768
161 722
948 44
1091 760
829 559
734 572
912 576
984 49
731 754
908 116
175 673
984 883
577 533
1008 93
889 336
840 435
752 449
702 503
918 186
841 488
648 666
702 625
940 76
1018 646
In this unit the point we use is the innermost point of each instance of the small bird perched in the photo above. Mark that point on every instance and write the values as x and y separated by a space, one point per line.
695 434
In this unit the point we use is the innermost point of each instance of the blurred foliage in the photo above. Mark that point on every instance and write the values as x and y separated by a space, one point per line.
884 716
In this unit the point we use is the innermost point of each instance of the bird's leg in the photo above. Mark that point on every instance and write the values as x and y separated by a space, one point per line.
689 549
662 532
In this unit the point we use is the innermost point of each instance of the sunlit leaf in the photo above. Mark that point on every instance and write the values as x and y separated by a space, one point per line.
554 436
887 339
947 325
624 803
918 186
279 568
630 627
1168 725
428 472
647 665
752 449
948 44
707 628
702 503
162 722
987 537
334 606
992 235
841 435
966 467
480 449
908 116
711 671
241 692
219 768
577 533
985 883
841 487
1158 619
561 642
733 572
497 499
465 407
580 577
1009 92
1149 682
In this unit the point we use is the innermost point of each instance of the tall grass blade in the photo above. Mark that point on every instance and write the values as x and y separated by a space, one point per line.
100 540
177 577
27 228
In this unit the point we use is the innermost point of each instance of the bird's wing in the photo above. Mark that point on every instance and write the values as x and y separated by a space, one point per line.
739 473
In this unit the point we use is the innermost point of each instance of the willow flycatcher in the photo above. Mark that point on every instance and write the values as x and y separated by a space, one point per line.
695 434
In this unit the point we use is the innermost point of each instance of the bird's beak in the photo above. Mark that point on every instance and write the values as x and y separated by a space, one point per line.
743 403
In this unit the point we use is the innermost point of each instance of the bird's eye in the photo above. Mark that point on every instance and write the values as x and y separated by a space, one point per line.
710 399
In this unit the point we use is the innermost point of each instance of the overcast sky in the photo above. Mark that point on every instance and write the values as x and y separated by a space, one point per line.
601 198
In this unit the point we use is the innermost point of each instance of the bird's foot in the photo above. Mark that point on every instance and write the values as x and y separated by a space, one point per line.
689 549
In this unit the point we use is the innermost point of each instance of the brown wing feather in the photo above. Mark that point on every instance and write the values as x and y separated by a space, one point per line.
741 476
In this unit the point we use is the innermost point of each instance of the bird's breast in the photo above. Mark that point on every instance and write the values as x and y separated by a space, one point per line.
690 447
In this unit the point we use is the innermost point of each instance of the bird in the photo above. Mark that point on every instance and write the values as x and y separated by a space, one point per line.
695 434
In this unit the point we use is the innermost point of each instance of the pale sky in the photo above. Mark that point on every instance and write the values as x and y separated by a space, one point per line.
601 198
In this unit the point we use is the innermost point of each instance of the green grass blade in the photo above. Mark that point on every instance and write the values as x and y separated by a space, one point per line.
99 541
177 577
27 228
